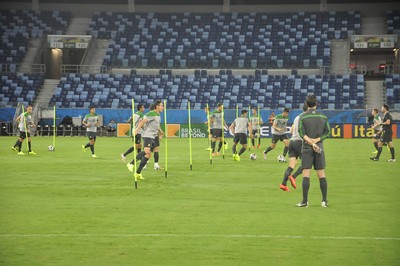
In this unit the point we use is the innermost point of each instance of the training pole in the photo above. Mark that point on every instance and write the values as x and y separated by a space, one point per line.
248 136
223 134
54 127
190 138
134 141
259 126
25 127
209 132
166 138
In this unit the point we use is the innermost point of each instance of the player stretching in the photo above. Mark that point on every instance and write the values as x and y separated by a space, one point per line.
91 122
256 122
151 127
137 117
294 152
313 129
386 136
279 133
24 121
240 127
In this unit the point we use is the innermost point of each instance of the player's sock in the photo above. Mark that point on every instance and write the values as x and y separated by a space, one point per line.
285 150
243 149
156 157
140 155
286 175
324 188
259 141
20 146
139 150
29 146
143 162
17 143
92 148
234 148
253 142
376 145
392 152
87 145
130 150
379 152
268 150
298 172
219 146
224 142
306 187
213 146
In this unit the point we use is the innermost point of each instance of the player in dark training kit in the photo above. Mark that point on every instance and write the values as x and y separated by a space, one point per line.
386 135
313 129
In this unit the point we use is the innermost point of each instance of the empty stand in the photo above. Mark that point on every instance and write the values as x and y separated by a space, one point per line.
265 91
393 21
19 87
222 40
392 83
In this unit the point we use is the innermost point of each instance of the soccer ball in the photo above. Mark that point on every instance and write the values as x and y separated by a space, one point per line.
253 156
50 148
281 159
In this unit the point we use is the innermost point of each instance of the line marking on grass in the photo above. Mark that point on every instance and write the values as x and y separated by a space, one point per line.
199 236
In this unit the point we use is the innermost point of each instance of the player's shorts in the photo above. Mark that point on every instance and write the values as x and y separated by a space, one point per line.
275 138
255 132
295 148
138 138
216 133
157 141
386 136
310 158
91 135
376 135
148 143
240 137
23 134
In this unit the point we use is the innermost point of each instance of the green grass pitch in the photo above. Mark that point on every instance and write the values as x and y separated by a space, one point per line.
65 208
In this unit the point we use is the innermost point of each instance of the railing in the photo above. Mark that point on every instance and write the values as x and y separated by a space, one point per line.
90 69
392 69
24 68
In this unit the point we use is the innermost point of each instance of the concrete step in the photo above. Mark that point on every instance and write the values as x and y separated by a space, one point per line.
78 26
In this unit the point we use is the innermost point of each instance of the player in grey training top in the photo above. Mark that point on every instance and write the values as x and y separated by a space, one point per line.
240 127
294 152
91 123
137 117
24 122
256 121
216 129
151 128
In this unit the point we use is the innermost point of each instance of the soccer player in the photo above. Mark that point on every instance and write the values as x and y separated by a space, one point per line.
216 129
256 121
279 133
313 129
151 128
240 127
24 122
138 116
294 152
91 122
377 128
207 111
386 136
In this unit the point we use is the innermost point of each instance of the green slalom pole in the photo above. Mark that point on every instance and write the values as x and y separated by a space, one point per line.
166 138
134 141
190 138
259 126
54 127
209 132
25 127
223 133
248 136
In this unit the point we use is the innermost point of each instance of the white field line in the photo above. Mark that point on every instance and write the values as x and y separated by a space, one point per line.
197 236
